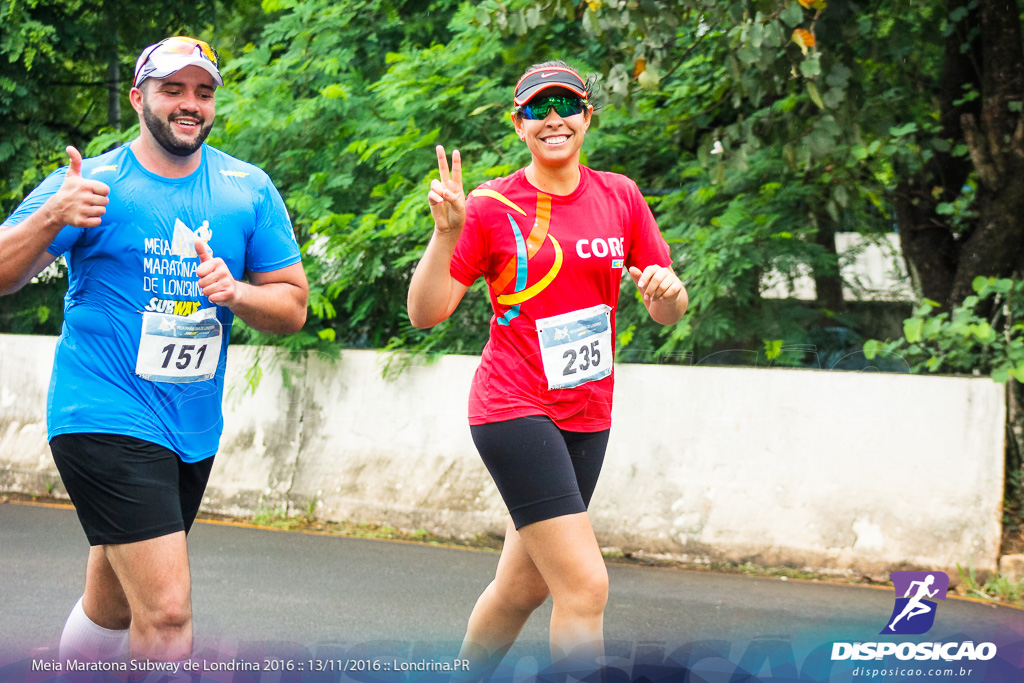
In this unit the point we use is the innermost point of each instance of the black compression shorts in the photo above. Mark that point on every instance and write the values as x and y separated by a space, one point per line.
125 489
540 470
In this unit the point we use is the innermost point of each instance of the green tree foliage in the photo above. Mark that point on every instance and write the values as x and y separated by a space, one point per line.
966 340
913 106
59 62
755 148
354 101
348 154
353 104
756 129
65 71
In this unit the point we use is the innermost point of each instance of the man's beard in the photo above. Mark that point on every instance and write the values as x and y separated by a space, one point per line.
164 135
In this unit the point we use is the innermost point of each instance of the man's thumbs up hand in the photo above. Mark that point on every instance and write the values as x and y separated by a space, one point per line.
78 202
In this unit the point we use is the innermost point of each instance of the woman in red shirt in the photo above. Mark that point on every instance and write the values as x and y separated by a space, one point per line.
552 240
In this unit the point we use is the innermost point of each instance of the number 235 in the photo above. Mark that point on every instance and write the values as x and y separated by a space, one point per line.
589 356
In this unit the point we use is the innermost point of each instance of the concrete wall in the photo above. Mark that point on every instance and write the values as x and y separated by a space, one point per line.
848 471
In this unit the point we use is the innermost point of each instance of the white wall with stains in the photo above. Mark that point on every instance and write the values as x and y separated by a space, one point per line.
863 472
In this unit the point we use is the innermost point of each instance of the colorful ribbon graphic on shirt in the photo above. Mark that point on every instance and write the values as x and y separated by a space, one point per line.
516 268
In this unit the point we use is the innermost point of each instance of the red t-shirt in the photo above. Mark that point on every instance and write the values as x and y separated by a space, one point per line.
555 263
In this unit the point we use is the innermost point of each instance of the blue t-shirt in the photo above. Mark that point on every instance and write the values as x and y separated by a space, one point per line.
141 262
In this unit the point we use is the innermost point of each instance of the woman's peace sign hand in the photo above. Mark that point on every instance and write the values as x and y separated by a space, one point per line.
447 198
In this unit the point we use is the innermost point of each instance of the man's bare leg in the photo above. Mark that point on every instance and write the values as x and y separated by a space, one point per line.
155 577
97 628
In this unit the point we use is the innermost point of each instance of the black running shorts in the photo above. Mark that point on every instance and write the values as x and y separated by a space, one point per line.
540 470
126 489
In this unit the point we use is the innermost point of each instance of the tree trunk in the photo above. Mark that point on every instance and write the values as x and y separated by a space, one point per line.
827 280
928 241
996 143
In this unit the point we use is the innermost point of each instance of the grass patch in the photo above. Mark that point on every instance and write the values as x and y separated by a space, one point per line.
745 568
278 518
997 588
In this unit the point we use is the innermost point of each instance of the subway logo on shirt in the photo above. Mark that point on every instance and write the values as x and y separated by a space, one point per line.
172 306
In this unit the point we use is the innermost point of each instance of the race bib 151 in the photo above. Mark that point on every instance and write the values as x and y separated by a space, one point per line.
179 349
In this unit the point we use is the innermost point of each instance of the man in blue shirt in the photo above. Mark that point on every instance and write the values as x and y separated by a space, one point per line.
166 240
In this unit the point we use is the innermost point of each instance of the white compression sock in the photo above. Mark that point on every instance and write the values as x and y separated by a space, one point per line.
87 641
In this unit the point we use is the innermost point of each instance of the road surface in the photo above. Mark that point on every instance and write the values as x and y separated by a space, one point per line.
283 599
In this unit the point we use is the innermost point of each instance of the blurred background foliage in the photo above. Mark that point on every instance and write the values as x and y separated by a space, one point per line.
756 129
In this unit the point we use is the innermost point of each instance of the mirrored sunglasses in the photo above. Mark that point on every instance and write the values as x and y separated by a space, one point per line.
182 45
564 106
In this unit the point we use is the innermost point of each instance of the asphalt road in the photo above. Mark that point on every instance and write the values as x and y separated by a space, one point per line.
303 597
